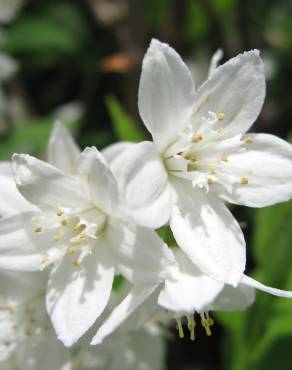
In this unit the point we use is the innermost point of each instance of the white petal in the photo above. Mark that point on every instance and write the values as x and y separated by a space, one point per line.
78 295
166 93
267 163
237 89
234 299
63 152
12 202
45 185
94 171
20 247
191 291
140 254
255 284
113 151
208 233
133 300
217 56
143 184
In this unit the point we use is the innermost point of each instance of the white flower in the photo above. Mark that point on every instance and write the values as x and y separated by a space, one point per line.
27 340
200 155
9 9
79 231
189 292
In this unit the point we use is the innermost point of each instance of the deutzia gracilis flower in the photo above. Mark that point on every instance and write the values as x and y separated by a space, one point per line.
27 340
200 156
189 292
79 231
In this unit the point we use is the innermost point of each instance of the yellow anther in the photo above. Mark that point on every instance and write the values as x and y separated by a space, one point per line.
64 223
206 326
197 138
58 237
72 249
248 140
221 116
75 227
60 212
212 170
220 130
38 230
224 158
244 181
191 167
180 328
210 181
76 263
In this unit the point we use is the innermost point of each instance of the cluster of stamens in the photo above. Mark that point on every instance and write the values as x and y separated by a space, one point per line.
206 322
194 156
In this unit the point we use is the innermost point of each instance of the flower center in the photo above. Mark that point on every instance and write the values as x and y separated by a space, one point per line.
201 154
73 233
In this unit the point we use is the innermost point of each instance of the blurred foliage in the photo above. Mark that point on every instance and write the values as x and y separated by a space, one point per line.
60 47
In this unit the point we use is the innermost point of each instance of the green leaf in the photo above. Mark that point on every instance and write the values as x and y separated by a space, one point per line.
124 126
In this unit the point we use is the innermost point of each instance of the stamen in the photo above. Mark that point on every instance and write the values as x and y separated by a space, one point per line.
72 249
64 223
244 181
197 138
210 181
76 263
191 167
221 116
248 140
212 170
224 158
180 328
38 230
60 212
191 327
207 322
58 237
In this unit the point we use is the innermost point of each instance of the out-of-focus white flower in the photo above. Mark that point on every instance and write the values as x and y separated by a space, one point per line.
79 231
27 340
202 155
9 9
8 66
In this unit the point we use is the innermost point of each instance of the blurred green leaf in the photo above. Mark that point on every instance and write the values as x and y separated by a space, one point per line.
124 126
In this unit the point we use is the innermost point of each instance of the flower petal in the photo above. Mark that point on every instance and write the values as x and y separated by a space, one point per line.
217 56
63 152
12 202
143 184
267 164
166 93
44 185
20 247
208 233
120 313
237 89
113 151
255 284
95 172
140 254
191 291
76 296
233 299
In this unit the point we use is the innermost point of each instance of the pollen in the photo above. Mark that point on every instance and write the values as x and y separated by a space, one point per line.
60 212
197 138
224 158
221 116
244 181
38 230
248 140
